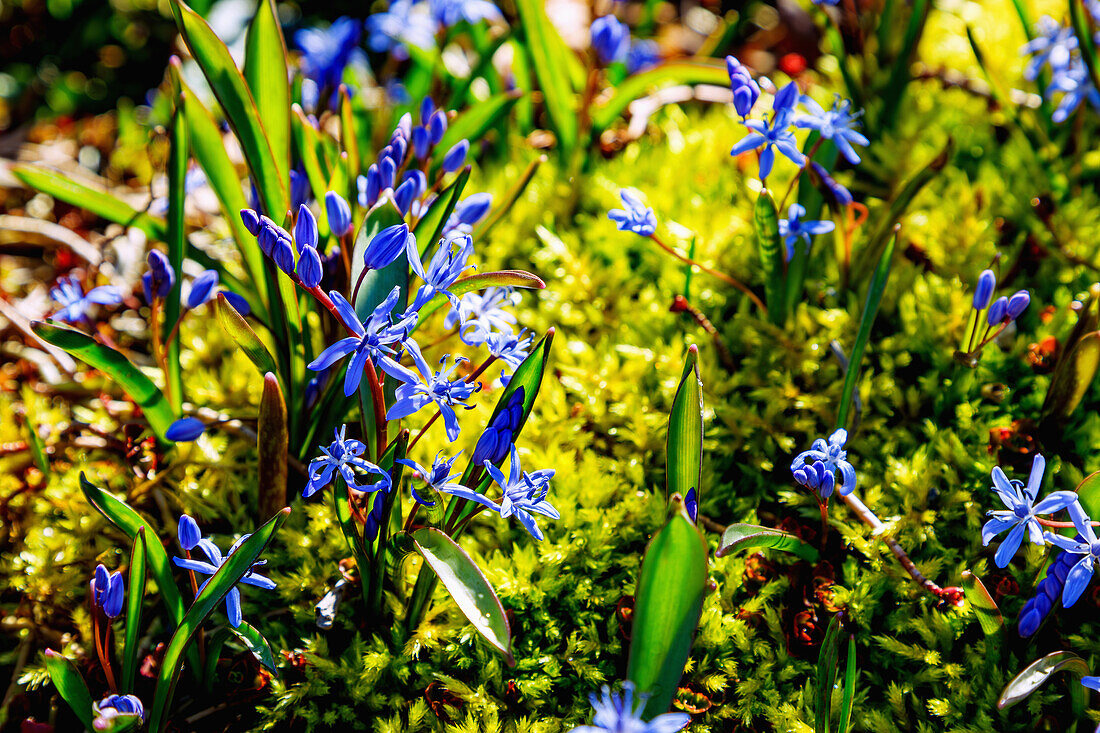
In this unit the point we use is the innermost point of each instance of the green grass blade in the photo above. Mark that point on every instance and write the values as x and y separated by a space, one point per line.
468 587
98 202
236 100
827 660
273 440
548 55
70 685
136 585
350 529
900 74
772 256
849 686
237 327
639 85
264 57
870 310
112 363
430 227
985 608
667 605
177 249
684 444
219 584
752 537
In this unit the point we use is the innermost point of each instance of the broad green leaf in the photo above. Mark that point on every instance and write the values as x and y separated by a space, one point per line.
684 444
639 85
255 642
272 444
752 537
849 686
98 202
70 685
135 596
870 310
827 664
237 327
177 249
430 227
264 58
219 584
112 363
667 605
501 278
468 587
549 59
985 608
1036 674
236 100
772 256
1073 375
474 122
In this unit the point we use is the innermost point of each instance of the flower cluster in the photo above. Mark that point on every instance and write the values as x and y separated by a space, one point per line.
1056 47
991 317
816 468
612 44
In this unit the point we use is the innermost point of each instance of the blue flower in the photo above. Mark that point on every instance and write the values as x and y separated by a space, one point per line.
523 494
833 457
216 560
437 125
467 212
745 89
510 348
343 455
160 278
1022 510
816 477
615 714
480 314
386 246
75 302
1053 44
778 136
456 156
185 430
842 195
792 228
1046 593
187 531
326 52
983 291
636 217
610 39
644 54
310 270
439 477
447 264
403 24
1093 683
450 12
834 124
1076 85
117 711
501 431
1086 545
305 229
437 387
107 591
339 214
373 340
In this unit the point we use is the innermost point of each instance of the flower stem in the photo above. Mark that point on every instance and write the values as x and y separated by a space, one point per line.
714 273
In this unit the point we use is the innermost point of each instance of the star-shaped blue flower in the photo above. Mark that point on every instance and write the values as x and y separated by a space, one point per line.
480 314
793 227
446 266
433 386
833 457
620 714
343 455
636 217
1053 44
75 303
777 136
216 560
438 477
835 124
1081 573
524 494
1020 516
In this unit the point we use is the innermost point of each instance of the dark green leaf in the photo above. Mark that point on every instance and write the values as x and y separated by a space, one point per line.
134 598
430 227
468 587
772 256
272 444
255 642
667 605
70 685
849 686
1073 375
827 665
237 327
752 536
177 250
1036 675
112 363
684 445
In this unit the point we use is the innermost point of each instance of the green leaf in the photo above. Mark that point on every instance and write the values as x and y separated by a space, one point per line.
900 74
1036 674
985 608
752 536
237 327
639 85
501 278
177 249
549 58
30 429
468 587
255 642
827 665
849 686
684 445
112 363
98 202
475 121
264 57
667 605
870 310
430 227
1073 375
772 256
136 584
71 686
272 445
1082 27
219 584
236 100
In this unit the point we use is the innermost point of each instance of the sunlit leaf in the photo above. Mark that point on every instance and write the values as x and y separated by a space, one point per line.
134 597
1036 674
264 57
237 327
255 642
549 59
772 255
272 444
684 444
70 685
754 537
985 608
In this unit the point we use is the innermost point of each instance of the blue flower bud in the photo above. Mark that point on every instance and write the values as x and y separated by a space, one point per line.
399 147
404 126
251 221
339 213
188 533
786 98
473 208
404 195
162 276
427 106
422 142
238 302
202 288
116 593
387 246
184 430
371 186
983 292
267 239
283 255
419 179
1017 304
842 195
456 156
437 125
305 229
388 171
745 89
997 311
610 39
691 503
309 267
